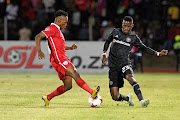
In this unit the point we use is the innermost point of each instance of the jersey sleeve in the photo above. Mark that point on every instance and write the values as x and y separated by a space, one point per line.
108 41
140 45
49 31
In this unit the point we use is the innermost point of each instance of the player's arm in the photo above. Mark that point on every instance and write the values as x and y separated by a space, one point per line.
106 46
140 45
38 38
74 46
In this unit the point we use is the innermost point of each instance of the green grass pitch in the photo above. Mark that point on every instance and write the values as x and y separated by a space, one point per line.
20 98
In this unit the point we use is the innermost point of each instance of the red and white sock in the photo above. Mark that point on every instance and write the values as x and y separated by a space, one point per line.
80 82
60 90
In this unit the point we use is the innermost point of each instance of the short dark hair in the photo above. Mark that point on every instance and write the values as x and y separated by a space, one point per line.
128 18
60 13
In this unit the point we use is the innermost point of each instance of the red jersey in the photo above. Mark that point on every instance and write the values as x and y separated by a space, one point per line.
56 42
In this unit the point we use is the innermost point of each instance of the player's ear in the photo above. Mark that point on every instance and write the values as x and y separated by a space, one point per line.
132 25
59 20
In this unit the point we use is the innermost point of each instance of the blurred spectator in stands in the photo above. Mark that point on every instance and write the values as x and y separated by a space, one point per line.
91 23
137 19
135 53
107 30
139 30
149 35
120 13
83 32
169 23
83 6
61 4
138 4
49 5
104 24
148 5
176 45
101 8
172 32
136 56
121 8
157 9
111 9
40 22
12 13
173 11
130 9
25 33
50 9
36 4
96 28
40 14
158 37
75 25
28 13
2 9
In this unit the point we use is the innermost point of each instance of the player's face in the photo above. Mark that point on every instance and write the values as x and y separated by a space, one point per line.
63 22
127 26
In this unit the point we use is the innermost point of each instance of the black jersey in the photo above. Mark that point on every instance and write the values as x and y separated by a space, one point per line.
121 47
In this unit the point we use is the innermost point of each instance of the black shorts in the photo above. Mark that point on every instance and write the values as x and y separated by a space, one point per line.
116 75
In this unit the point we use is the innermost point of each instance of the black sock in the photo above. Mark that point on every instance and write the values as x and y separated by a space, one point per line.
122 98
137 90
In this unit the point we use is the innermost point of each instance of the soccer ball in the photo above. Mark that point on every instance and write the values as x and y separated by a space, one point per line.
95 102
14 56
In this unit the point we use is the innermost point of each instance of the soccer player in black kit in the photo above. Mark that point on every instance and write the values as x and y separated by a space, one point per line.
119 63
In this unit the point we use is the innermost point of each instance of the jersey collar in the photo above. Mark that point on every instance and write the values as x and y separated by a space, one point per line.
55 25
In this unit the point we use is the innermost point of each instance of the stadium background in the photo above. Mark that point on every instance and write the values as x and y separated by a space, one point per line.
89 24
157 23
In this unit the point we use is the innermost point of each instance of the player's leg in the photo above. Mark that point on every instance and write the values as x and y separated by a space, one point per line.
137 90
130 78
72 71
115 82
60 90
116 96
127 72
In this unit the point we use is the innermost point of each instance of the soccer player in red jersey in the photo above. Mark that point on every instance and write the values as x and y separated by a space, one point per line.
57 50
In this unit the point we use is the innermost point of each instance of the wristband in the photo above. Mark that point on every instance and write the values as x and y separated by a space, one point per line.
158 53
104 54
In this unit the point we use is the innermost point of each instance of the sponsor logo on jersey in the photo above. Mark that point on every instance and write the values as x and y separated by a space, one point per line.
47 29
121 42
128 39
65 62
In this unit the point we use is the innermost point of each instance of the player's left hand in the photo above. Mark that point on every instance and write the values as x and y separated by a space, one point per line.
74 46
163 52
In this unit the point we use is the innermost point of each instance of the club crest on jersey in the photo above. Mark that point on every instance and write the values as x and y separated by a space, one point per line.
65 62
110 82
128 39
47 29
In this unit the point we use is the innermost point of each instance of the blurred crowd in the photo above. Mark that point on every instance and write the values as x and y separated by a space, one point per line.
157 22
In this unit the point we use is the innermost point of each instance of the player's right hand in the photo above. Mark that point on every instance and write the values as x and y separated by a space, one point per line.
41 55
104 59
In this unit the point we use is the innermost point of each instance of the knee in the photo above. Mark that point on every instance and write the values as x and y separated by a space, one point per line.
130 79
69 87
75 75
